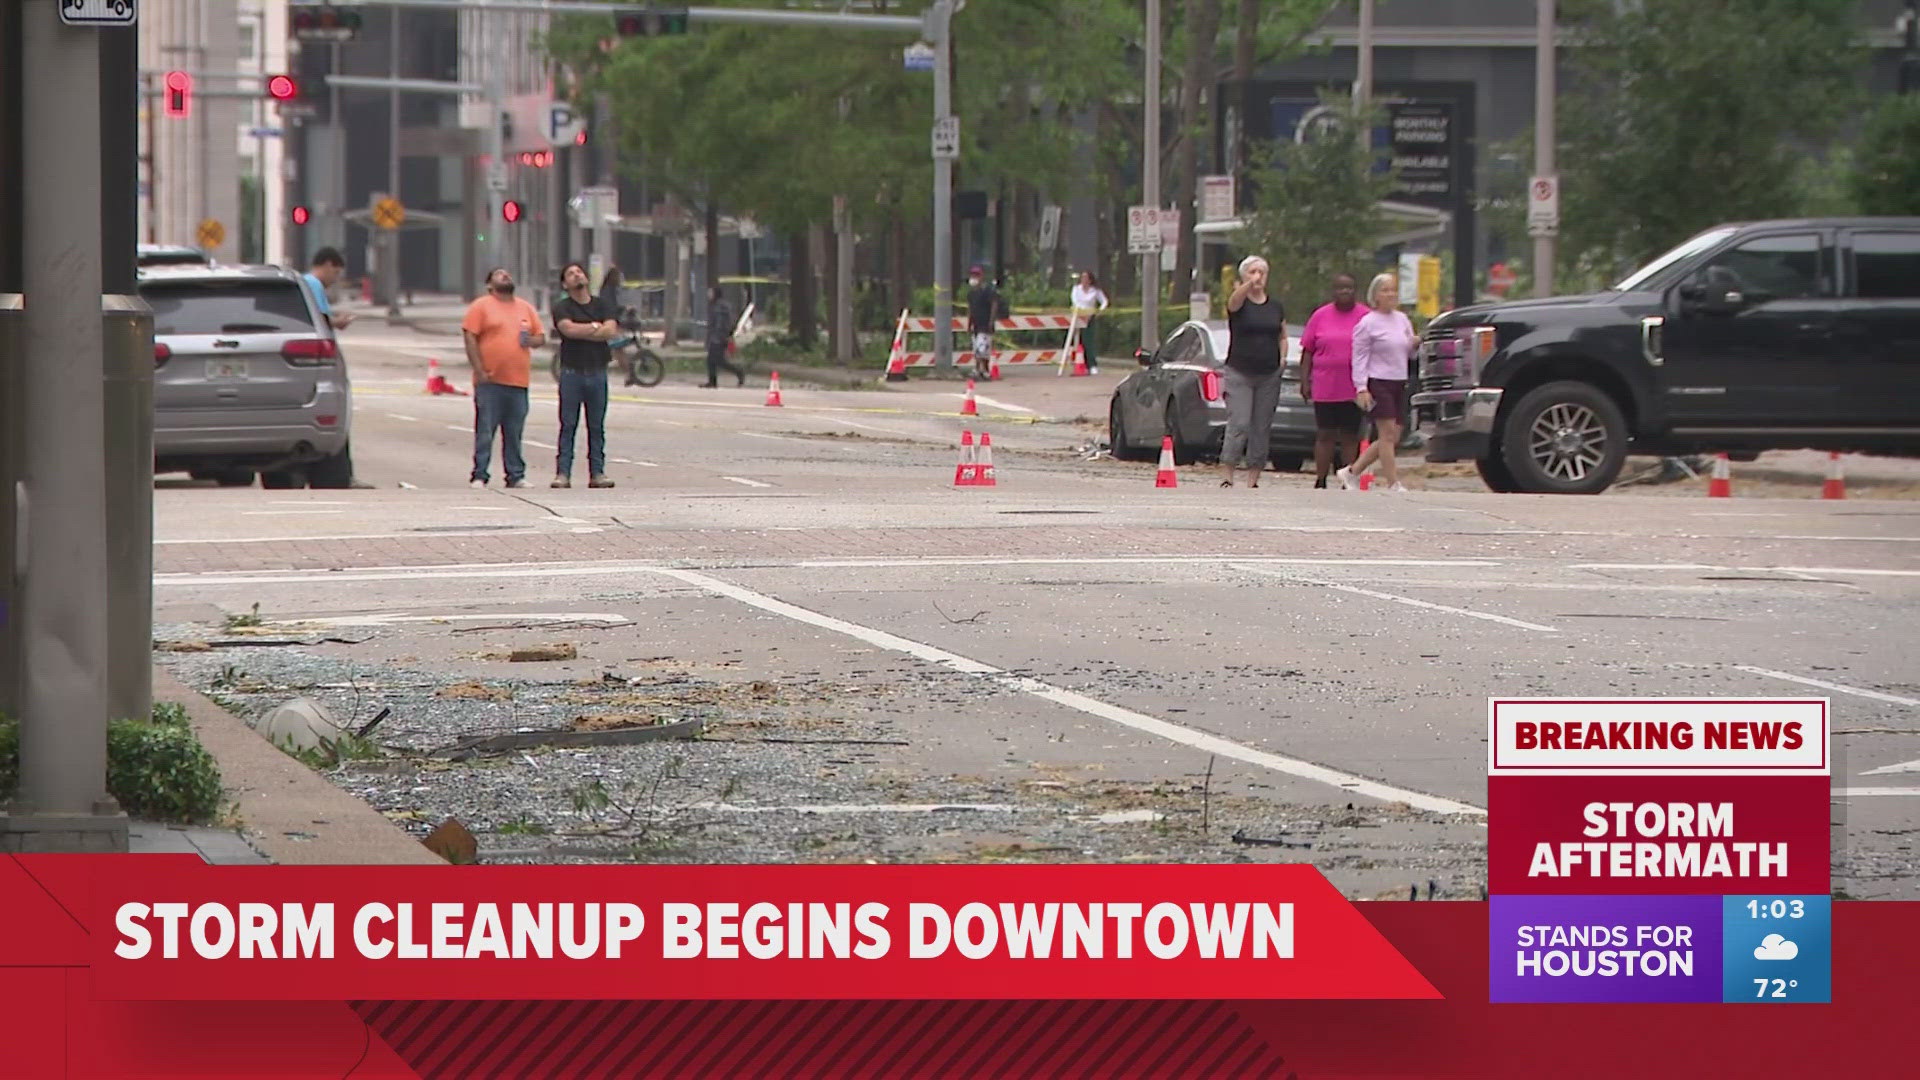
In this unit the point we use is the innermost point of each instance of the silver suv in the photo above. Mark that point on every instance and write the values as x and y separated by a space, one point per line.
247 379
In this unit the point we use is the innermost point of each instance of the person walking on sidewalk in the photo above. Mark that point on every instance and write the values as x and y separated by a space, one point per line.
1326 378
501 332
585 324
1256 352
719 335
1088 302
1383 343
983 306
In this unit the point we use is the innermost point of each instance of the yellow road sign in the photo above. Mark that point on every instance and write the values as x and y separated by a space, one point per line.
389 214
211 233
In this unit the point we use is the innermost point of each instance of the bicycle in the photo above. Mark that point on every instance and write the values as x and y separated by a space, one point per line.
642 365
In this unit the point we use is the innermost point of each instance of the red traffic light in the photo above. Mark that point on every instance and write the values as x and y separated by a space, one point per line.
282 87
179 88
301 215
538 159
511 211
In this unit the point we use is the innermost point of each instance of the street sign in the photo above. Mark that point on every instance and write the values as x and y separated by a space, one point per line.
1049 228
917 57
1216 198
497 176
211 234
946 138
99 12
264 133
1543 206
1169 238
388 213
563 127
592 206
1143 230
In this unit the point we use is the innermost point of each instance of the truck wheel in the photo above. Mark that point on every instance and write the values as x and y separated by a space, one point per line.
1564 438
1288 462
1493 472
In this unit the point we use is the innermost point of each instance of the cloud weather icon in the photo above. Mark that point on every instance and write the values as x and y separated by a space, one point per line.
1775 947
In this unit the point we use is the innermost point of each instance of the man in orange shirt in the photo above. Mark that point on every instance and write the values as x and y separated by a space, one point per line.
501 331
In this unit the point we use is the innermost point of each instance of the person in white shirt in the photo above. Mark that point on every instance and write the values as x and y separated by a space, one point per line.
1088 302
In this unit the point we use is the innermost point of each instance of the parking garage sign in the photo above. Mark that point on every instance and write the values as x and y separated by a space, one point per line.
99 12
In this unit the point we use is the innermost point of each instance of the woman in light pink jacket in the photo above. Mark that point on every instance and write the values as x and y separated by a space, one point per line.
1383 343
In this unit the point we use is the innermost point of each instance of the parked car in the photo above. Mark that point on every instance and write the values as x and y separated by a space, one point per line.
171 255
1179 391
247 379
1769 335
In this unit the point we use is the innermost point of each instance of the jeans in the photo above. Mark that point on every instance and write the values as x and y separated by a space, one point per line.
717 360
583 390
503 409
1089 337
1251 401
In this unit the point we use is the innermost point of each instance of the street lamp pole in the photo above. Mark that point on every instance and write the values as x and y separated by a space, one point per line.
1150 181
1543 143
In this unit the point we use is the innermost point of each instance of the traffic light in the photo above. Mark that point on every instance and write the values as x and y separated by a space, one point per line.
653 22
282 87
178 92
537 159
511 211
323 22
301 215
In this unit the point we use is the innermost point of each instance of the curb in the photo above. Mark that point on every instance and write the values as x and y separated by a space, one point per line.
290 814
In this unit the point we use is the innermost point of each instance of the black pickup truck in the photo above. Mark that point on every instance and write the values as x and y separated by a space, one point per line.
1769 335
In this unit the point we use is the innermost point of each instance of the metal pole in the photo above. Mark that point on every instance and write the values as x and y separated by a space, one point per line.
62 802
336 156
390 246
1910 60
1543 138
1150 181
1363 84
940 27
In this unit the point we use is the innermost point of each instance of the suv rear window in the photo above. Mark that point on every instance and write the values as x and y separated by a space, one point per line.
228 307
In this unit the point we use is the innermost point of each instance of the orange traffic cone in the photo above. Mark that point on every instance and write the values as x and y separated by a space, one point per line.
969 407
1166 477
773 392
1836 485
1079 359
1365 479
963 473
1721 485
993 372
437 383
983 469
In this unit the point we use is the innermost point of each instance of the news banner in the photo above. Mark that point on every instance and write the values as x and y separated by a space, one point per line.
1653 865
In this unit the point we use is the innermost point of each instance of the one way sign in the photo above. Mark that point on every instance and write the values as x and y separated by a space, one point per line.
99 12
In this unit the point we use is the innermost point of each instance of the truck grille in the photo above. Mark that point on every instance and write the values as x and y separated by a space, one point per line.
1438 371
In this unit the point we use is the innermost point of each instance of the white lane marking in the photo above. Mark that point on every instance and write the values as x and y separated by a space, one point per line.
1859 571
1854 792
1407 600
486 616
1838 688
489 509
764 435
404 486
747 482
854 808
310 502
630 461
344 536
1149 725
459 427
985 400
538 443
1331 528
400 573
1864 539
1904 766
285 513
403 416
1117 560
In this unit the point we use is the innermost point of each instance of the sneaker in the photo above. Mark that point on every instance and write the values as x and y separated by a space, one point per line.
599 482
561 482
1345 476
1395 486
476 484
518 484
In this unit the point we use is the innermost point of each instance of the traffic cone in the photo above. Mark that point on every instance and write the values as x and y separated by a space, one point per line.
1836 485
1166 477
1721 485
963 473
1079 360
983 469
1365 479
993 372
773 392
969 407
437 383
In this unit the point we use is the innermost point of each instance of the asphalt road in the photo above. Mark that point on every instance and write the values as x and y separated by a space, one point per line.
1072 665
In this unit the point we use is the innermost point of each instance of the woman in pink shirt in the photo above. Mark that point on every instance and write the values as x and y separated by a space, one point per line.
1326 354
1383 342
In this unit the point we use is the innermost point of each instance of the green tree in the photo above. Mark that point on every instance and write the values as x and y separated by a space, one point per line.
1885 175
1683 113
1317 210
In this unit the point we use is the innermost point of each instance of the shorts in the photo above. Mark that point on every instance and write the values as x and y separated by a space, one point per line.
982 348
1336 415
1389 399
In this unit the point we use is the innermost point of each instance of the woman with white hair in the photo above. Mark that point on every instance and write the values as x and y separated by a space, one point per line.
1383 343
1256 350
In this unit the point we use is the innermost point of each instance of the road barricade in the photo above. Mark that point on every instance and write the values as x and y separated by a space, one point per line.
901 356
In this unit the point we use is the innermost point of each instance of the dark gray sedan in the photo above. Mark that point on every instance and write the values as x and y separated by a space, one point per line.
1179 391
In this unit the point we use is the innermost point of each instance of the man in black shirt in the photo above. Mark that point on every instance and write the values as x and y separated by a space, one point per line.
585 323
982 302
